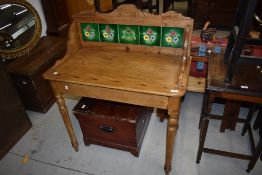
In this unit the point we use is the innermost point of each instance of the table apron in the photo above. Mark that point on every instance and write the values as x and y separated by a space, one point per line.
237 97
136 98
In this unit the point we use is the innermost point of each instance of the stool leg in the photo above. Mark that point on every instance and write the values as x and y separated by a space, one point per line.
226 115
236 109
204 109
202 138
249 117
230 115
258 119
255 156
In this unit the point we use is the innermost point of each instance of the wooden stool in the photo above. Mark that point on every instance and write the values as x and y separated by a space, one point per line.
229 122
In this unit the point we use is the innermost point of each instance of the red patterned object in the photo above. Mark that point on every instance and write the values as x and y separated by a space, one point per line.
257 51
195 73
254 50
196 41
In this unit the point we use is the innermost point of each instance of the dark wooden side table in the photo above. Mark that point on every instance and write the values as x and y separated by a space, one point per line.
219 12
246 86
57 18
14 122
26 72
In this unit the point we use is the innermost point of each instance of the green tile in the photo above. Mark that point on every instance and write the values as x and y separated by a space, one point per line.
90 32
150 35
128 34
172 37
108 33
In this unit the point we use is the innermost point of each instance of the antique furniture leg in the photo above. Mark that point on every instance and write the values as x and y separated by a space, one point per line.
208 100
231 112
204 121
258 123
248 120
255 156
172 125
202 138
235 114
64 113
259 118
204 108
162 114
256 151
226 114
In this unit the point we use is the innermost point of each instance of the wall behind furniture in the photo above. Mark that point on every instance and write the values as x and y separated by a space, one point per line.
38 6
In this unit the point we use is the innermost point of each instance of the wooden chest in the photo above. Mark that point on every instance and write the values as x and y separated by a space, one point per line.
26 72
112 124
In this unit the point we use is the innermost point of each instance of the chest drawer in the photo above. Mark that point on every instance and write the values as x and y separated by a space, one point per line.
112 124
108 130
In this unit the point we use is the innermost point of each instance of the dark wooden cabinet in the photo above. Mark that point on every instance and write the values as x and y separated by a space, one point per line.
113 124
219 12
56 15
14 122
26 72
167 4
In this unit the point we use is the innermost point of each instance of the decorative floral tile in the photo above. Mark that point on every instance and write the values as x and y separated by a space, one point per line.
90 32
150 35
128 34
108 33
172 37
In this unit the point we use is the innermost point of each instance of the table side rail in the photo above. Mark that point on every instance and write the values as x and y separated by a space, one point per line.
117 95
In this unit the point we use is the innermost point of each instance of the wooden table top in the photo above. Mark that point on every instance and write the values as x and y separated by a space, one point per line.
47 49
246 81
131 71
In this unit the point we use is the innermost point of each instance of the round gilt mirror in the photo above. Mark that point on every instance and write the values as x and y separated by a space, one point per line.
20 28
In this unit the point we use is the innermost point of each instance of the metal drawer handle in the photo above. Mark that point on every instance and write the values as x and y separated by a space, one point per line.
107 129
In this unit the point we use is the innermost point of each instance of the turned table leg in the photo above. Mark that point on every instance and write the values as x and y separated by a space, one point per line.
172 125
64 113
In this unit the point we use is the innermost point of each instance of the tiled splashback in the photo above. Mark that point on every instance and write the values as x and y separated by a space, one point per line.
90 32
133 34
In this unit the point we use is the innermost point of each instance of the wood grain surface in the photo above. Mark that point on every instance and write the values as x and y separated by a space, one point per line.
134 74
139 72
